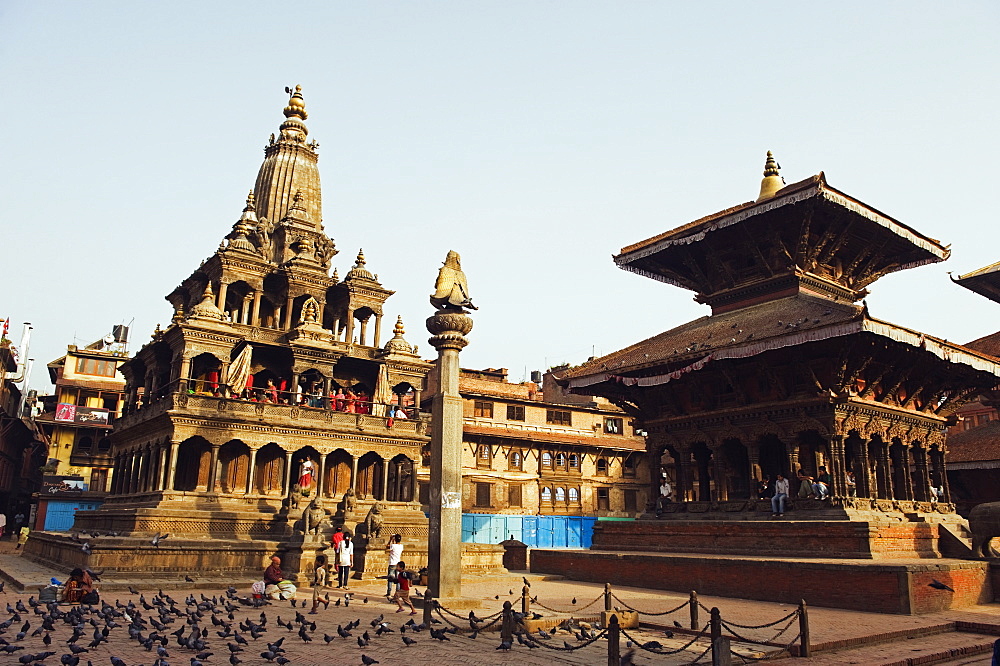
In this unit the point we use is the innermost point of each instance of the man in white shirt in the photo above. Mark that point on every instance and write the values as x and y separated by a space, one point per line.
345 561
395 551
780 495
664 498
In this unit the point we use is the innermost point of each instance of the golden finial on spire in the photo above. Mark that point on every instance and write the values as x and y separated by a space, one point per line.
399 330
772 181
296 104
336 276
361 258
251 205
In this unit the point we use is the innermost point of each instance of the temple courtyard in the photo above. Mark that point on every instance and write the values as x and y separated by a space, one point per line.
957 636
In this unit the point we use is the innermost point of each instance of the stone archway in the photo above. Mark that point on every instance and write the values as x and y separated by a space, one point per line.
369 481
234 461
269 477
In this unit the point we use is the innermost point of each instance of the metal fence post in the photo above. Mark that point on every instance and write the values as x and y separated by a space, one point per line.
721 655
803 629
507 624
607 597
526 601
695 625
614 639
428 608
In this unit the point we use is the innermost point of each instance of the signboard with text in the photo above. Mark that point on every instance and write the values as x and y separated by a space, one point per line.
95 416
62 485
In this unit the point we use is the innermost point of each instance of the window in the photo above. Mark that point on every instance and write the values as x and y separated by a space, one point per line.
574 496
560 494
561 460
99 480
483 456
628 466
603 499
424 492
546 495
602 466
574 462
558 417
514 495
95 367
515 412
83 400
483 409
484 492
516 461
630 500
546 460
614 426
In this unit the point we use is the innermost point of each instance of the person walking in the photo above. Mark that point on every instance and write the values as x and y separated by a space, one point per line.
780 495
345 561
395 551
319 582
402 595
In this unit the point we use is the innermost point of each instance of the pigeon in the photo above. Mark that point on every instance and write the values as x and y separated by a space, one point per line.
368 661
408 641
574 601
652 645
188 579
525 579
116 661
158 538
626 659
938 585
668 634
132 590
678 624
505 646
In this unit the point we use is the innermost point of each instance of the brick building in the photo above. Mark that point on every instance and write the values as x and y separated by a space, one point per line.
533 450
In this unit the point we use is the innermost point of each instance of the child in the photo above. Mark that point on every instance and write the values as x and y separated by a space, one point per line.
319 582
22 537
402 595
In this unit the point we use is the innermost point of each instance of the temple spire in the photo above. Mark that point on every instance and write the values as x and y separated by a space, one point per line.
296 104
772 181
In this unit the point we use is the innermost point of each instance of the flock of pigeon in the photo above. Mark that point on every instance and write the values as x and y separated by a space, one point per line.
204 631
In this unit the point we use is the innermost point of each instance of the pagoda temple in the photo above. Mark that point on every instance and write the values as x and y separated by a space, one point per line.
790 371
270 409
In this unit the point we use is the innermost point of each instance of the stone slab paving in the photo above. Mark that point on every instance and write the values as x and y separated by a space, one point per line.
826 625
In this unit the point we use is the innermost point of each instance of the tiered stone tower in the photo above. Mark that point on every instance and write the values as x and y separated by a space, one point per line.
266 412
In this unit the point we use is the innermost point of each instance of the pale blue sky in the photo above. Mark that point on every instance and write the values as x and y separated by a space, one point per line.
535 138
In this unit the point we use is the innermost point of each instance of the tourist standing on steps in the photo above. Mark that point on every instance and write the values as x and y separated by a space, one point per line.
664 498
395 551
345 562
780 495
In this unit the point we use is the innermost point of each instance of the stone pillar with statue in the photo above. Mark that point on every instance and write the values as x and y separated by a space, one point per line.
448 327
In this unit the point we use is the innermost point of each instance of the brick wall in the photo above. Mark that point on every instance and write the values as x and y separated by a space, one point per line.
857 586
844 539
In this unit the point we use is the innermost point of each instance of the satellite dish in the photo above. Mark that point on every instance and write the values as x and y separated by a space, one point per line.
109 339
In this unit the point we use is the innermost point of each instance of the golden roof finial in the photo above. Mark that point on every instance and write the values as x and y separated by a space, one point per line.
296 104
336 276
399 330
251 205
361 258
772 181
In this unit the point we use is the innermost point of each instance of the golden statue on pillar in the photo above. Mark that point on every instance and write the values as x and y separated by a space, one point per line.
451 290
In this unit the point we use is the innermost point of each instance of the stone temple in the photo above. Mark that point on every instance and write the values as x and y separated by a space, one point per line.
791 372
270 409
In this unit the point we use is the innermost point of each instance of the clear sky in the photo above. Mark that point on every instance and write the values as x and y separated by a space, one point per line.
535 138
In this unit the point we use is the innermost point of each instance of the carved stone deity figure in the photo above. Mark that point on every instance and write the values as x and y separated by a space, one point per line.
310 311
451 290
348 503
314 516
263 235
324 250
373 521
295 497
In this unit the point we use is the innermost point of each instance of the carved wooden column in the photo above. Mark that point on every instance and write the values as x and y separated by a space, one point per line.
378 329
883 484
653 462
719 469
862 475
213 469
922 490
164 466
905 478
116 475
349 339
251 469
793 459
684 473
354 474
838 466
136 471
363 336
937 462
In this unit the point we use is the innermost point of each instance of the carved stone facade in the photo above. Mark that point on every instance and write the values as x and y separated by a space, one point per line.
268 391
789 373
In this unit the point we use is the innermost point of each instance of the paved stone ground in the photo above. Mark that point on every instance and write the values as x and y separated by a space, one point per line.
826 625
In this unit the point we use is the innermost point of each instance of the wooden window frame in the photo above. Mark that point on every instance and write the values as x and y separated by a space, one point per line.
559 417
515 413
482 409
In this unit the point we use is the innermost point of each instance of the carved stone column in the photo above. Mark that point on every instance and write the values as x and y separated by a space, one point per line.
172 474
363 335
117 474
289 306
245 311
255 312
862 475
349 338
213 469
287 490
164 466
321 480
378 329
385 481
448 327
793 459
251 470
223 288
653 462
883 483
